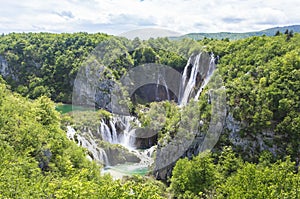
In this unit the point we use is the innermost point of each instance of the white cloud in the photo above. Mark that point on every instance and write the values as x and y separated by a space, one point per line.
114 16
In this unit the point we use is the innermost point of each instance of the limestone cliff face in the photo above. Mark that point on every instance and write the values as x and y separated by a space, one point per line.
4 70
249 146
164 161
15 72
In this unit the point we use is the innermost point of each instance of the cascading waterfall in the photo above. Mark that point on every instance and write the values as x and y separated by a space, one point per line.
110 134
105 132
209 73
126 138
189 82
149 152
98 153
183 79
114 134
71 133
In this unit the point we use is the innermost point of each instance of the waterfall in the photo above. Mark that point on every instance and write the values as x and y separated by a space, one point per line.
183 79
109 134
105 132
127 138
196 67
71 133
145 156
114 134
98 154
189 84
149 152
126 135
209 73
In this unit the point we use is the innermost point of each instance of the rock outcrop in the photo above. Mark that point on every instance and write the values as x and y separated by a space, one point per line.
4 70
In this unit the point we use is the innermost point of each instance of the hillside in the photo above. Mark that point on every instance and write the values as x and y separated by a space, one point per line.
235 36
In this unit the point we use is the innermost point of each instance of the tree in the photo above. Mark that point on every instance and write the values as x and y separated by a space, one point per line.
196 176
277 33
261 181
289 35
228 163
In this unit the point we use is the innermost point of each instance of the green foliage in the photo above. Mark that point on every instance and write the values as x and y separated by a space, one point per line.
228 163
195 176
232 178
45 63
259 181
38 161
261 76
163 117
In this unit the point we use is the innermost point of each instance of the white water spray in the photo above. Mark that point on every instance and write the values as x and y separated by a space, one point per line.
188 86
98 153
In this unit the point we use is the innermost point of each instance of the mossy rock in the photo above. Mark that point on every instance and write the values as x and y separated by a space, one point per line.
118 154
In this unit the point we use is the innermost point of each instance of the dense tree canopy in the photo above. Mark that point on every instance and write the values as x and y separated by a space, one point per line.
38 161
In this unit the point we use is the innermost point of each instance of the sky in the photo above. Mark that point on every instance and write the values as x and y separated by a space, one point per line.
119 16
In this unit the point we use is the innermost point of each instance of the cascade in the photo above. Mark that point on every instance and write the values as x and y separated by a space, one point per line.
98 153
110 134
149 152
114 134
105 132
188 86
209 73
126 138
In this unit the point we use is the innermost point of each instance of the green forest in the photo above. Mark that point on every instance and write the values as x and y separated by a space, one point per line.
261 75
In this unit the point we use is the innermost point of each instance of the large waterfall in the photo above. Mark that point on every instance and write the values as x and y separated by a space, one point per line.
194 72
208 75
110 134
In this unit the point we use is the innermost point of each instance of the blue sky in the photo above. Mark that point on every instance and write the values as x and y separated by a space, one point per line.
118 16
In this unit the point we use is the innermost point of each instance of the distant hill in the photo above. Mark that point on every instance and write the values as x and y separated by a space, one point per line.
147 33
234 36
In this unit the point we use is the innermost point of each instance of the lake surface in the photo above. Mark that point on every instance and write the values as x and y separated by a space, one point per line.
129 169
66 108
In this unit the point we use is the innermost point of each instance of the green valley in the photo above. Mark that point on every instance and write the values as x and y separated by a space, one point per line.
53 150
